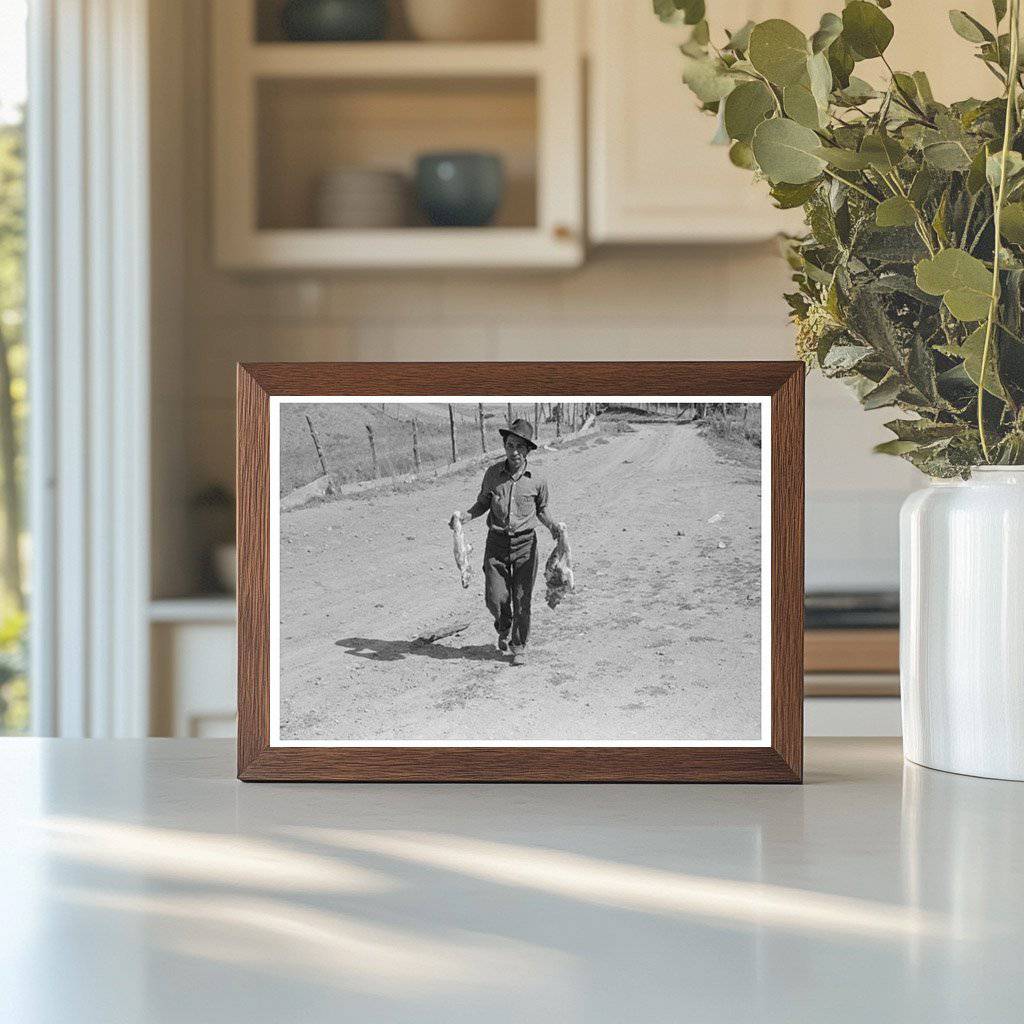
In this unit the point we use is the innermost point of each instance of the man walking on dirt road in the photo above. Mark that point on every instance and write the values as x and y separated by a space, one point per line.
515 499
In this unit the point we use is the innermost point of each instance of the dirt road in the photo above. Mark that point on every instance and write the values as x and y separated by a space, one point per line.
661 640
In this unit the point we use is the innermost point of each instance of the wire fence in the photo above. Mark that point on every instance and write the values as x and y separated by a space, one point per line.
355 442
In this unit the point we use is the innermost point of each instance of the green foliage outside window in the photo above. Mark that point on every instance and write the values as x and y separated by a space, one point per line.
13 411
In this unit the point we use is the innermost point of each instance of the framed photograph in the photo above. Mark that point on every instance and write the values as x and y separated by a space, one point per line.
520 571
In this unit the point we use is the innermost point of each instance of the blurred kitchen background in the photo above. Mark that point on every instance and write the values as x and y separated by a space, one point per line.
466 179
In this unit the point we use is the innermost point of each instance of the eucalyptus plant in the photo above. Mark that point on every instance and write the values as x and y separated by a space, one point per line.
910 277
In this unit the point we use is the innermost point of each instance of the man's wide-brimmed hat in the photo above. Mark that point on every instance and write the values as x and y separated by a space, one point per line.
521 429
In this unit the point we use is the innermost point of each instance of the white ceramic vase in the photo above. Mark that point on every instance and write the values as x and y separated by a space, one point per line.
962 624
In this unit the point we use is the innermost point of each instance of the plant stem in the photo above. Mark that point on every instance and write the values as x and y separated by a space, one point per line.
1011 108
768 86
907 99
970 215
853 185
980 232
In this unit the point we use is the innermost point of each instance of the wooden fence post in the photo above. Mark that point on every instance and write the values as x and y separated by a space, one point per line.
536 422
451 427
320 455
415 445
480 418
558 420
508 415
373 451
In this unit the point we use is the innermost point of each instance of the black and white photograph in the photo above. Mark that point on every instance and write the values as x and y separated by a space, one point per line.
516 572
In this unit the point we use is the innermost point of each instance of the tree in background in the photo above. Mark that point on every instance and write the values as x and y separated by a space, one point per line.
13 407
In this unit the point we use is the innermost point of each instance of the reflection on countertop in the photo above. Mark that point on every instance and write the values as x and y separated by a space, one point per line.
145 883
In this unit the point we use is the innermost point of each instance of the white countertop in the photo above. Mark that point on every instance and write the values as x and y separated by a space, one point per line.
140 882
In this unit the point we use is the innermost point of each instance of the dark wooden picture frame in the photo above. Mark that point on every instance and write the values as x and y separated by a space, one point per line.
781 761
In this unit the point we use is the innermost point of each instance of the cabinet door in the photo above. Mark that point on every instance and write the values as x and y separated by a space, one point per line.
653 174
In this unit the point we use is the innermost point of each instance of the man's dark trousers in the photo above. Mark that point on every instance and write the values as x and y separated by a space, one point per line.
510 570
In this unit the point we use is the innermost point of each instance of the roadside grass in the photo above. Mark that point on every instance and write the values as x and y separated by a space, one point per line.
734 431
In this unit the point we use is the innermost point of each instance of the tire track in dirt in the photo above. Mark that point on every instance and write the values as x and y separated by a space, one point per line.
660 641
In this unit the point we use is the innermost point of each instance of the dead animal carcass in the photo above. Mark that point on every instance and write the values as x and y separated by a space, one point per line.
462 549
558 571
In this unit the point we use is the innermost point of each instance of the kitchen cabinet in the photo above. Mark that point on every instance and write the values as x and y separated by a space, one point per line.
288 114
192 646
654 177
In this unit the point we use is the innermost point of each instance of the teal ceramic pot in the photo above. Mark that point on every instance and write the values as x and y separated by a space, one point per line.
460 189
334 21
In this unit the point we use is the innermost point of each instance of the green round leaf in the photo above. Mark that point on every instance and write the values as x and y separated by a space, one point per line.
740 39
895 212
947 156
968 28
819 75
866 29
994 163
741 155
883 152
787 152
976 174
801 106
788 197
829 29
779 51
665 10
1011 226
707 79
840 62
971 351
896 447
693 11
844 159
857 91
924 88
690 12
745 108
963 281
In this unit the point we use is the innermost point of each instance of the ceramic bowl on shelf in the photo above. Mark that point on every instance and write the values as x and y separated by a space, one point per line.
470 20
334 21
362 197
460 189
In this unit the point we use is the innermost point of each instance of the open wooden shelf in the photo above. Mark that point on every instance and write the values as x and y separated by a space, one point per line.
520 22
401 247
308 127
392 60
285 114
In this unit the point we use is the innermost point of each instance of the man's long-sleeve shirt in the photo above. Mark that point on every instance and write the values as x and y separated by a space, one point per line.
512 505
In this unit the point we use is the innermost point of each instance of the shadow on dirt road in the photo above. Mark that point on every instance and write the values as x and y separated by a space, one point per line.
399 650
